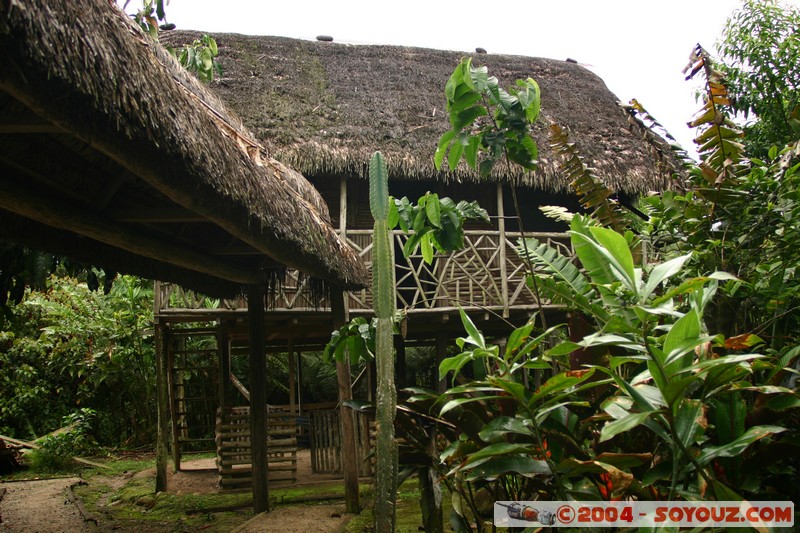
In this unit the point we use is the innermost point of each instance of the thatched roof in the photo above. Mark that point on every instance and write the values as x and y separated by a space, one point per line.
109 149
323 108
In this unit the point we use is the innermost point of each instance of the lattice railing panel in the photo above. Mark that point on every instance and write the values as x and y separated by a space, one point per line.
483 274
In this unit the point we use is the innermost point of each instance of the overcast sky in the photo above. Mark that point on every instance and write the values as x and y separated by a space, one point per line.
638 47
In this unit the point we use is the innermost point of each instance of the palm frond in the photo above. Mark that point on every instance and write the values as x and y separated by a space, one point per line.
592 192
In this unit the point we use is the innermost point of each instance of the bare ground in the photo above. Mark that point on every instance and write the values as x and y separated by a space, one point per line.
40 506
43 506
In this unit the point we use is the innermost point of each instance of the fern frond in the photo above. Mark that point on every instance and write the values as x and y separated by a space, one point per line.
592 193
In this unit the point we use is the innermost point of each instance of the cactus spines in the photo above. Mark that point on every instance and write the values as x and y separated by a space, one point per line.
384 306
378 187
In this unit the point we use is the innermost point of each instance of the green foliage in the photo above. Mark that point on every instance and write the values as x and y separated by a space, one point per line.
70 347
355 342
437 223
760 52
199 57
642 425
487 122
56 450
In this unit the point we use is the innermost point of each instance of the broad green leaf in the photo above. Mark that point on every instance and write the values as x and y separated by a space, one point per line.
455 155
494 450
560 382
433 209
454 364
618 252
503 425
426 245
516 339
720 362
690 422
662 272
471 150
621 425
737 446
452 404
467 117
475 336
783 402
441 150
524 465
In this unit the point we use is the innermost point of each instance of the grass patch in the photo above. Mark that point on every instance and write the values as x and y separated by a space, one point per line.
409 514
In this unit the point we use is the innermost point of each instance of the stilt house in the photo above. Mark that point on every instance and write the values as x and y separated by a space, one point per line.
324 108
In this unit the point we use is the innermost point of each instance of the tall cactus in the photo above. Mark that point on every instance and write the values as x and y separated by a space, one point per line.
384 306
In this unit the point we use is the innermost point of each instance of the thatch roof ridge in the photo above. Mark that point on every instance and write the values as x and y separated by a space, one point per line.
323 108
85 67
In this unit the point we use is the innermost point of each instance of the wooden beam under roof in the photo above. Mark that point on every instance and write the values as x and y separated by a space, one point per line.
49 210
26 122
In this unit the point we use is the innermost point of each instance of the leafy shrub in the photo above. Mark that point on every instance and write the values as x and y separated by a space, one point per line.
56 450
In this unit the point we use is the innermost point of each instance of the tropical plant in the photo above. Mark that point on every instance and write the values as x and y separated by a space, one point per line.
198 57
760 55
436 224
665 419
56 450
69 347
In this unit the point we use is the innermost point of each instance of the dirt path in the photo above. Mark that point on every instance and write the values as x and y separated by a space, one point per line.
40 506
298 519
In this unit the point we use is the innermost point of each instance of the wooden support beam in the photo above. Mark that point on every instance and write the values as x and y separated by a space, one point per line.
162 401
258 397
292 381
26 123
501 226
48 210
157 215
224 359
349 448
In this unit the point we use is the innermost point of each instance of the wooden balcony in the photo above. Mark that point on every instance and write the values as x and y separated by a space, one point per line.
486 275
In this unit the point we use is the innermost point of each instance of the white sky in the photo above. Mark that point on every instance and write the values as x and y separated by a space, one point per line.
638 47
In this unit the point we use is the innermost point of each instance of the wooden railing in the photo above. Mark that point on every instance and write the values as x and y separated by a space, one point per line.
487 273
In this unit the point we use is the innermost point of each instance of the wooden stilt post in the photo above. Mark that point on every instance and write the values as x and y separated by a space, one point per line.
292 386
258 397
162 399
501 227
224 359
348 432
